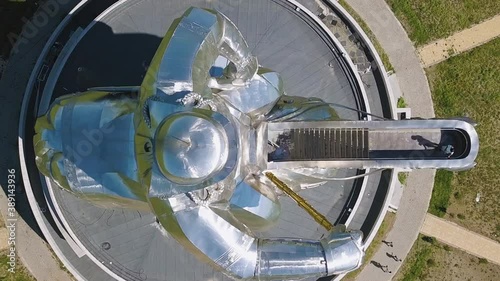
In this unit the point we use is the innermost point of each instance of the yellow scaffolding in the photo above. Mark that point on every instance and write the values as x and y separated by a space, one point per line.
319 218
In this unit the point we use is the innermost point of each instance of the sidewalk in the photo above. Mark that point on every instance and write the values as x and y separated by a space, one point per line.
402 54
459 42
32 250
415 89
461 238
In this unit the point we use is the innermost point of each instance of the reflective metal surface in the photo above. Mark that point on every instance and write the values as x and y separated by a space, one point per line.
85 143
191 144
190 147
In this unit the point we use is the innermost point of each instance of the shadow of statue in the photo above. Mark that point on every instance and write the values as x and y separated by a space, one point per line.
424 142
98 67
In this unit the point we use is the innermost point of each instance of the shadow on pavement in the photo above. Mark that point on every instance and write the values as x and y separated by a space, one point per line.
107 59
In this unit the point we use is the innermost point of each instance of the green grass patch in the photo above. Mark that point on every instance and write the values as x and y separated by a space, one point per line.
427 20
435 261
402 103
20 274
418 264
469 85
441 193
403 177
383 55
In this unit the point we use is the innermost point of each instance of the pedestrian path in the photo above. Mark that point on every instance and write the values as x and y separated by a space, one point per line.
461 238
459 42
32 251
417 192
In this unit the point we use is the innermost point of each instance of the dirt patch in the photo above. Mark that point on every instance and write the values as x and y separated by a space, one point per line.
4 238
2 222
4 235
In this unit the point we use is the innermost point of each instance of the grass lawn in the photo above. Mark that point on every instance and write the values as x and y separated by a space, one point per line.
469 85
430 260
385 227
427 20
441 193
21 273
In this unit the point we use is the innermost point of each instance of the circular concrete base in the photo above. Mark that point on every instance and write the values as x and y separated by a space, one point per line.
116 49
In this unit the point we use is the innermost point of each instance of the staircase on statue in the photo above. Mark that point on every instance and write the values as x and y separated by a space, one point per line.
325 144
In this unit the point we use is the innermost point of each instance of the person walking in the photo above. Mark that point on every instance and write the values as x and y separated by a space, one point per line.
388 243
384 268
393 256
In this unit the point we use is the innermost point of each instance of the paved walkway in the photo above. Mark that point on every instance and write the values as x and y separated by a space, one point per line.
32 250
459 42
461 238
415 89
401 52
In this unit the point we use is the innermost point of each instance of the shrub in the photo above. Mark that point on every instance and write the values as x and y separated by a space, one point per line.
483 261
402 177
429 239
402 103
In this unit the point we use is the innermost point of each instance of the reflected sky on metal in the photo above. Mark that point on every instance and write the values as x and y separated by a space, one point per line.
191 145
